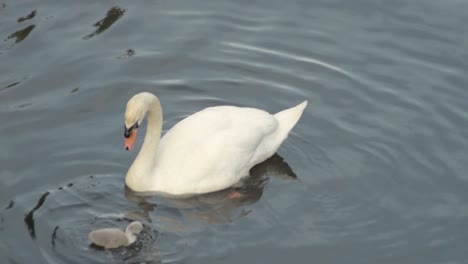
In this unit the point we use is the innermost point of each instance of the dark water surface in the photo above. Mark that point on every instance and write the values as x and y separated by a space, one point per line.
380 154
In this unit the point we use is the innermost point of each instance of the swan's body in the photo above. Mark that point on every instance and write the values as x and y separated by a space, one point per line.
208 151
114 237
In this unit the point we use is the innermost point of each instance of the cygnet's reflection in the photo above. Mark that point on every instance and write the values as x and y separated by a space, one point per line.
218 207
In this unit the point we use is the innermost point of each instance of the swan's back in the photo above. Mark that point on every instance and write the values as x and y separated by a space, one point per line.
213 120
213 148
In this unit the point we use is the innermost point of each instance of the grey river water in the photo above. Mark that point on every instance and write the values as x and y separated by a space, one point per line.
374 172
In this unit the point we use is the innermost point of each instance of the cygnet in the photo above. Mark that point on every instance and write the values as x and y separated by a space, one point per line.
114 238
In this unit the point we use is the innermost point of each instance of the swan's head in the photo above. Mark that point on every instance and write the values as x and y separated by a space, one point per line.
137 107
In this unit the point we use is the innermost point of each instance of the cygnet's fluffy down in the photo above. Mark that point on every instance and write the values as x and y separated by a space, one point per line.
109 238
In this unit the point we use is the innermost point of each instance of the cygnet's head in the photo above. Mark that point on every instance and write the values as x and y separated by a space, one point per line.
134 228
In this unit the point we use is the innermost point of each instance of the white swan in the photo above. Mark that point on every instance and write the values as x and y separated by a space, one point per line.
208 151
114 237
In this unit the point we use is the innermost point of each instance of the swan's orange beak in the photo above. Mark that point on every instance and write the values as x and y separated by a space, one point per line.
130 141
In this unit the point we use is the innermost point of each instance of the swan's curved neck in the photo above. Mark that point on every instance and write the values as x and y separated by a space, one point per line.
144 163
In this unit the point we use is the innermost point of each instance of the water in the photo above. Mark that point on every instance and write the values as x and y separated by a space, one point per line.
375 171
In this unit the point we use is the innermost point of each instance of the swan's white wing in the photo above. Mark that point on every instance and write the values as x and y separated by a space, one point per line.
212 149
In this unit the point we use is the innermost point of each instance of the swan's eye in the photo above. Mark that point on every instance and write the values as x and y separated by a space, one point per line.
128 131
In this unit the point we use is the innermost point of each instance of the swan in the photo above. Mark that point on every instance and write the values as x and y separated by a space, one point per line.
207 151
114 238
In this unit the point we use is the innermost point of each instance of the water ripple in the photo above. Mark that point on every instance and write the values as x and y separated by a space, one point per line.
380 153
287 55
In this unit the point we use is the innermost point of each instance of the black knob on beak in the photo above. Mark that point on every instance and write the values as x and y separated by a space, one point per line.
128 131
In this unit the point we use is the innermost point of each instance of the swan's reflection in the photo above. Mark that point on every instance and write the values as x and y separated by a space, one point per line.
212 208
174 217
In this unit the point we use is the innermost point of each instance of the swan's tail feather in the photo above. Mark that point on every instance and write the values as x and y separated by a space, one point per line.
287 119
